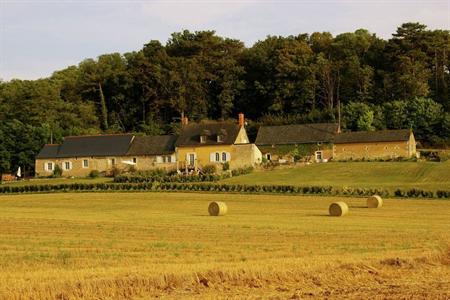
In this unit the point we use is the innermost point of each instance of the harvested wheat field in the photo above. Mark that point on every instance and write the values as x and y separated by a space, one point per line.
143 245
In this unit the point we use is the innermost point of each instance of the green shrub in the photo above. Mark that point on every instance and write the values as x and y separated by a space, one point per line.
443 194
132 169
94 174
115 171
444 155
57 172
242 171
209 169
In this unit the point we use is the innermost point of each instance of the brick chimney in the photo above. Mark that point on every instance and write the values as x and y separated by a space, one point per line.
184 121
241 120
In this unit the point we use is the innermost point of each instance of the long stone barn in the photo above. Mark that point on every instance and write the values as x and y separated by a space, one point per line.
79 155
382 144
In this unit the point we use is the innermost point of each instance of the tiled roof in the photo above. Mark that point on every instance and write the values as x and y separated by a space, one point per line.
49 151
190 134
110 145
372 136
153 145
296 134
89 145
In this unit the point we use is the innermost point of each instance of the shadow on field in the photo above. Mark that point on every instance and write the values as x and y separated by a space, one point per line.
319 215
357 206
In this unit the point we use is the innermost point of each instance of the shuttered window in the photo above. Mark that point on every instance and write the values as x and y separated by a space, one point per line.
67 165
48 166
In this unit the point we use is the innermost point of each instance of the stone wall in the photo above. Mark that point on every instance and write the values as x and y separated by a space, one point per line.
245 155
103 164
373 150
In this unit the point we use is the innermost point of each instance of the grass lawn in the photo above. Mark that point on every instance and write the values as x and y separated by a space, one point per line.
142 245
390 175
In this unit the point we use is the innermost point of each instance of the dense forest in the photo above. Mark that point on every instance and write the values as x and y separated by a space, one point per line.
402 82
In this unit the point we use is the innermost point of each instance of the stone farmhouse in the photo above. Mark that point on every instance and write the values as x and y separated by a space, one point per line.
283 143
215 143
79 155
197 145
220 144
322 142
374 144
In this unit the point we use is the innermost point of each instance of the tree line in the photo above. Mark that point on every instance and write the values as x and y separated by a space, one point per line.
402 82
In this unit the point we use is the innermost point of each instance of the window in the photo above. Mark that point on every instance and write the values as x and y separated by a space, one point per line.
268 156
318 155
67 165
49 166
202 139
85 163
169 159
219 138
191 159
113 161
134 160
217 156
224 156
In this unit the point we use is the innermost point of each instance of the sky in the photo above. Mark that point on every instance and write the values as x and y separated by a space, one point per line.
41 36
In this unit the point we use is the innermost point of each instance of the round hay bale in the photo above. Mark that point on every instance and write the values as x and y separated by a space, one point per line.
338 209
217 208
374 201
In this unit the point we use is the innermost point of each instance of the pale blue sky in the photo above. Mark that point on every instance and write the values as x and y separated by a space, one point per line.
38 37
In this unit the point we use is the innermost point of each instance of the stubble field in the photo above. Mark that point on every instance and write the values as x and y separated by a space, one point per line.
142 245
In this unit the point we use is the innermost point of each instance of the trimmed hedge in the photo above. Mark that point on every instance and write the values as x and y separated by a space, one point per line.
169 178
227 188
163 176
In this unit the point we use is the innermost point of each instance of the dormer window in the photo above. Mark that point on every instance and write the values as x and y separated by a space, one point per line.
221 135
204 136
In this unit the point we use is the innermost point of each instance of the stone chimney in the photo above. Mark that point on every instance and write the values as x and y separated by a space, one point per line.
241 120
